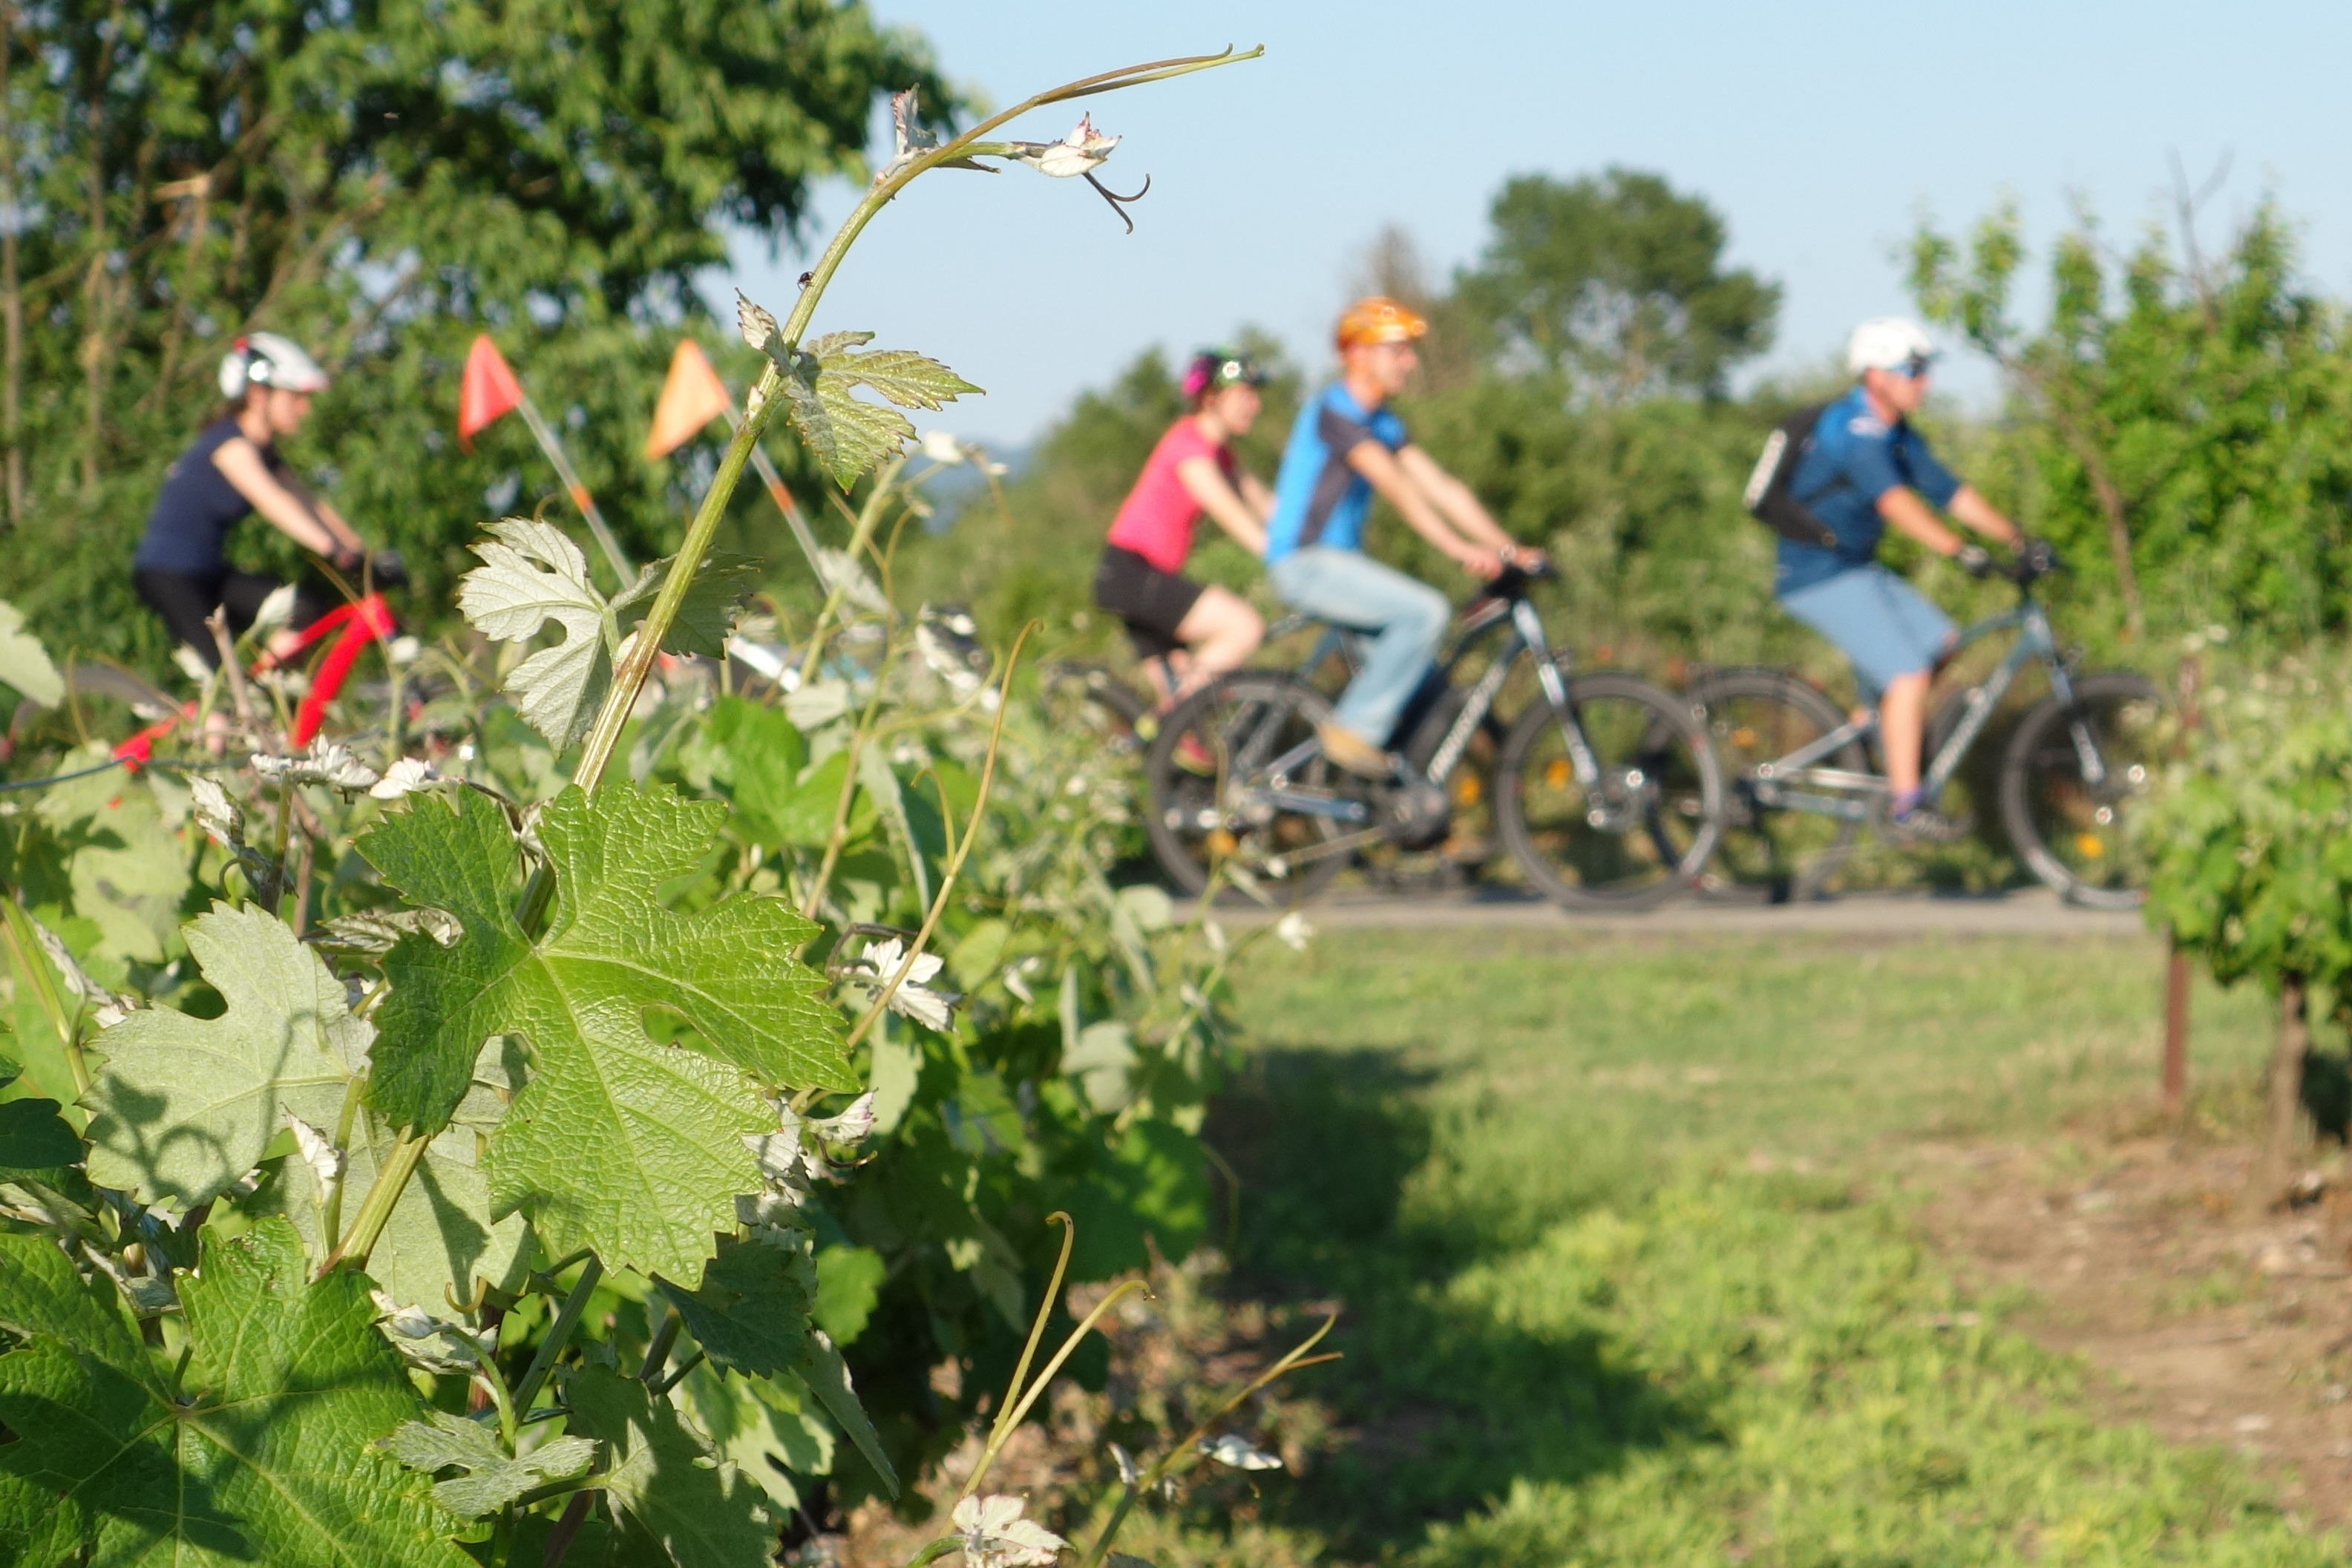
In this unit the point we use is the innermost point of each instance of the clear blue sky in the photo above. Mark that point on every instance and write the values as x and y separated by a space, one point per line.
1821 132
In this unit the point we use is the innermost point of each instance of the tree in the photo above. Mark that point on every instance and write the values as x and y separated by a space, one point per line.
2181 420
381 180
1619 281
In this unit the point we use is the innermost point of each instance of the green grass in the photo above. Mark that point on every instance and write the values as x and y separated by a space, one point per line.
1622 1239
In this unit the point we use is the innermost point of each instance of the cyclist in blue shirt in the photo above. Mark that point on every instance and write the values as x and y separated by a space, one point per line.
1346 445
1868 470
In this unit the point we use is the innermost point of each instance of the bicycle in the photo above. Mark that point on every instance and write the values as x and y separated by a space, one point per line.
1800 784
1605 790
361 620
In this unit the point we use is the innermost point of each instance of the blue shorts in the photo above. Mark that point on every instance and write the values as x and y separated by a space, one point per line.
1880 622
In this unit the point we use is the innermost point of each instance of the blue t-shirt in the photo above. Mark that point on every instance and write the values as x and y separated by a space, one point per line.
1855 459
197 507
1317 498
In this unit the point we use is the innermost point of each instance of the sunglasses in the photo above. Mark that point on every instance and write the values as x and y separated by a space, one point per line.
1912 369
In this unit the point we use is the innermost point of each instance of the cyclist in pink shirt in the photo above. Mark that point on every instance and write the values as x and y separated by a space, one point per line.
1186 632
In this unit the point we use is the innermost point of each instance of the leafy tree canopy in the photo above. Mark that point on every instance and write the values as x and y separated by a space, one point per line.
1619 280
380 181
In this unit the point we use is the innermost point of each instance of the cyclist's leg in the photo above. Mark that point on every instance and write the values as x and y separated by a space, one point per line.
183 601
1221 631
1406 619
1892 635
1153 604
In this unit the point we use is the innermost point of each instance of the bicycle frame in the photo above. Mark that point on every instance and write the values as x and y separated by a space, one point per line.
2036 641
365 620
1523 631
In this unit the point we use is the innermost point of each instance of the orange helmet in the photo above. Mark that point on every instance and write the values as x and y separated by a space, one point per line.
1379 319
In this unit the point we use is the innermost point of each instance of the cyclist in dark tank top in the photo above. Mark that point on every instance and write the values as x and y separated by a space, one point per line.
229 472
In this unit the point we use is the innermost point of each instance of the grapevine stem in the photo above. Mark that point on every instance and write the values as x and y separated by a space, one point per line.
331 1202
1010 1419
760 406
1182 1451
558 1333
657 1352
954 867
382 1194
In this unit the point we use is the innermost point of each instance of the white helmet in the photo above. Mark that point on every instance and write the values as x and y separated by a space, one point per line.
267 360
1888 343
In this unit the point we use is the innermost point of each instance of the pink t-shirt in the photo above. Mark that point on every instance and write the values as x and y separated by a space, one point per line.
1156 519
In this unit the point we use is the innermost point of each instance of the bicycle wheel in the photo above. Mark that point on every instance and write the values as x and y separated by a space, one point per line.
1092 699
1770 854
2070 830
1644 829
1206 776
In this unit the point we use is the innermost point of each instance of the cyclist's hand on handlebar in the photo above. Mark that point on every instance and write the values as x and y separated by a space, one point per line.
1483 564
1973 560
347 560
2038 558
1528 558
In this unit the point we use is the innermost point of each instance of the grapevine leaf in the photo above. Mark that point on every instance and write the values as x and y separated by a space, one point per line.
262 1453
24 663
827 1376
440 1237
662 1476
714 599
764 1426
34 1138
906 377
846 435
492 1478
184 1106
618 1142
750 1312
531 574
128 871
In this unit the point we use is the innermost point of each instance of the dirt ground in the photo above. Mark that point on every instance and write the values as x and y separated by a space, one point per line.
2209 1322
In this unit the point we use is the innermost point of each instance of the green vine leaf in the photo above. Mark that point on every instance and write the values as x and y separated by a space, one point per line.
442 1236
662 1476
493 1479
34 1138
617 1142
531 574
722 585
262 1451
750 1312
129 870
848 435
24 663
185 1106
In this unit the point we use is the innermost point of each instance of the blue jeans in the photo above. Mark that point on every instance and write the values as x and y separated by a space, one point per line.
1404 618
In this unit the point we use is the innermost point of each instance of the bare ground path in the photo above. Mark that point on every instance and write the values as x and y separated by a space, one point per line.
2208 1324
2028 913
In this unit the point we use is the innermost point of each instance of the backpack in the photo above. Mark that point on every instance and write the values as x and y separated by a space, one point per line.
1770 496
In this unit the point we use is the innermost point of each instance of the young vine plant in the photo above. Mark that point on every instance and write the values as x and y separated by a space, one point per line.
483 1159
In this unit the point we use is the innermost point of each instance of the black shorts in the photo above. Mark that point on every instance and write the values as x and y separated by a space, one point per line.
183 600
1152 602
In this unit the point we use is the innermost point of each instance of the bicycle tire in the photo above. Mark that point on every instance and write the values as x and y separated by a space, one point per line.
2069 834
1242 721
1766 853
1652 829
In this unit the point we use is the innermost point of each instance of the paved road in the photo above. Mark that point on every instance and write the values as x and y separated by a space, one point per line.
2031 913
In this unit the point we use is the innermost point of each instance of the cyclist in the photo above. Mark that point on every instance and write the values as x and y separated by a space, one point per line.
1347 443
1867 469
1185 633
230 471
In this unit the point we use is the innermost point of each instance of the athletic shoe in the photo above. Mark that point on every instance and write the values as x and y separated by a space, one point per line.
1351 751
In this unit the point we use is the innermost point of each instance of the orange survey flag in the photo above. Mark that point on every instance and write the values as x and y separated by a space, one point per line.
488 390
691 397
